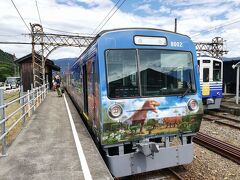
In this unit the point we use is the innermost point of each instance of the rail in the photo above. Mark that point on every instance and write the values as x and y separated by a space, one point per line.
224 149
233 123
28 104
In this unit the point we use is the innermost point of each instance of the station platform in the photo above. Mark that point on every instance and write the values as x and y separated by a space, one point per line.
46 149
229 105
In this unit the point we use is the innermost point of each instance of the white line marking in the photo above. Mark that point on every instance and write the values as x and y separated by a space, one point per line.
82 158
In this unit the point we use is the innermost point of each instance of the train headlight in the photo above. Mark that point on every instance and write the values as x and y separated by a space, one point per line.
115 111
193 105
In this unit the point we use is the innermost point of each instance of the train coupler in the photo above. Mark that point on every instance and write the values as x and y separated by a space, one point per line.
148 148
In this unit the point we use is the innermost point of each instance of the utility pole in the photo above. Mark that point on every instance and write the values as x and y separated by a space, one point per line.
15 66
175 27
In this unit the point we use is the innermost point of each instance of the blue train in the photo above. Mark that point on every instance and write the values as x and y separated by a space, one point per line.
138 91
211 81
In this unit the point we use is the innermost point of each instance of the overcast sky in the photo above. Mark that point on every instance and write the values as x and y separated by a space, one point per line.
83 16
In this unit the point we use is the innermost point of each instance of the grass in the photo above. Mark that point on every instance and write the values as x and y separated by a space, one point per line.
8 110
10 96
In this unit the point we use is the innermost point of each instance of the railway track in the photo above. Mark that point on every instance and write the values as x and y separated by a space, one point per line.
231 121
224 149
163 174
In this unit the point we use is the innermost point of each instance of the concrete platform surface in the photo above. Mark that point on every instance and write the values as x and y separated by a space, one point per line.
229 104
45 148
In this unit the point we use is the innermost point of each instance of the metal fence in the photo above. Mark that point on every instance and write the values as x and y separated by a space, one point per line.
29 101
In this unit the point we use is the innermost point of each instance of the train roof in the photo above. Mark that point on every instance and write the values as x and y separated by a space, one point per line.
137 28
208 57
124 29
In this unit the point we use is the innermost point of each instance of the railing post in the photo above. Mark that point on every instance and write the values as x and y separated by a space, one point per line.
22 103
46 86
32 98
43 93
38 98
2 116
40 94
45 90
28 100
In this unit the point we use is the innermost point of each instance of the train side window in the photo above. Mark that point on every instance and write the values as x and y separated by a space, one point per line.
217 71
205 74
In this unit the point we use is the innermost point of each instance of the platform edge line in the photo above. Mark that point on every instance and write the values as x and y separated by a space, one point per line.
82 159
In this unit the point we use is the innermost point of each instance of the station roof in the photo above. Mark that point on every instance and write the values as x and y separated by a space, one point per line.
28 57
235 59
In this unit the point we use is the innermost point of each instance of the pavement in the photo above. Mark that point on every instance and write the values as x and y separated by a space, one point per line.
45 148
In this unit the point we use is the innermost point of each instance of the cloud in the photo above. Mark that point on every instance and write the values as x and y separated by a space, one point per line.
83 16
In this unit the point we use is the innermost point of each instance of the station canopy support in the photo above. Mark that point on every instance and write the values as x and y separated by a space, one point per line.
214 49
237 81
43 44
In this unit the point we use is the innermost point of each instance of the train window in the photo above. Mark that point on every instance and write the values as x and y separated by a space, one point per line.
76 77
122 73
164 72
205 74
217 71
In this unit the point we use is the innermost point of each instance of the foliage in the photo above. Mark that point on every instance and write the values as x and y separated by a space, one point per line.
150 125
190 123
7 65
134 128
114 137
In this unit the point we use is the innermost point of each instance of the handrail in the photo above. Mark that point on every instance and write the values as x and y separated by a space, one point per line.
13 113
17 99
28 104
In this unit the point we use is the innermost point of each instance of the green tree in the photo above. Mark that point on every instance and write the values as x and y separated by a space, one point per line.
7 66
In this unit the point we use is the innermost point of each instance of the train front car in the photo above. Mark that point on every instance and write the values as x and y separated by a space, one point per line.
150 99
211 81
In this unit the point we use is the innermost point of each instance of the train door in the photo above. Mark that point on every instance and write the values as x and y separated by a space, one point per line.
91 90
85 92
217 72
205 76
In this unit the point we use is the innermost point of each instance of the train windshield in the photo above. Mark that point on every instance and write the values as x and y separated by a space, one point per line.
164 72
148 73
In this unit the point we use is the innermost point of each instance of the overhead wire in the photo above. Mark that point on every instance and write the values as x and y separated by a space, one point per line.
217 27
105 17
14 42
57 30
11 35
40 20
111 16
20 16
